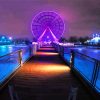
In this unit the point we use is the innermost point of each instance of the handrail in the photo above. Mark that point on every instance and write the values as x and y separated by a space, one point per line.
95 73
10 53
81 54
86 55
22 54
93 81
19 52
78 52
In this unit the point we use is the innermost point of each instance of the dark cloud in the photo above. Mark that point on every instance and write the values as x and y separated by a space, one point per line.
81 17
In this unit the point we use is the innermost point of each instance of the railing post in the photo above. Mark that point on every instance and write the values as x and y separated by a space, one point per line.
62 51
12 92
58 48
34 48
30 50
20 58
72 59
73 93
95 73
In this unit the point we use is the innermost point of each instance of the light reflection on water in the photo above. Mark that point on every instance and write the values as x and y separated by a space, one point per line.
9 48
5 49
9 63
93 53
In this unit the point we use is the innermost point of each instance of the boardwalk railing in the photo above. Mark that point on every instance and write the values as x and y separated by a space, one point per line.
9 63
65 52
86 67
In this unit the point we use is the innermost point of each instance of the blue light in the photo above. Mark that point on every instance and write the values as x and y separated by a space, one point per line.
3 37
95 35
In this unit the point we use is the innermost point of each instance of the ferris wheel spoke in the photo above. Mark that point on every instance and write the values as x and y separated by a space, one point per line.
48 21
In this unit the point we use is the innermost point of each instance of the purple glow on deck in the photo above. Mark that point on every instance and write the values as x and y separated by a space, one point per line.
47 24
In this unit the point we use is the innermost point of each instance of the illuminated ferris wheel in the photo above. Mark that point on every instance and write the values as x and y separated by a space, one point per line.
47 26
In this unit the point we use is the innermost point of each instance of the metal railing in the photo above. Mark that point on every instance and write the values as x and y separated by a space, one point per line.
87 67
64 52
9 63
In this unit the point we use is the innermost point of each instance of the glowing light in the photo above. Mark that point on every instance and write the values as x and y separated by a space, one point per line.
47 36
47 53
47 48
34 43
10 38
3 37
44 21
53 35
42 35
95 39
46 70
94 35
67 44
54 68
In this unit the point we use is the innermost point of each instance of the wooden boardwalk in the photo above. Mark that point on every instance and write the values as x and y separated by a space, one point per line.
46 77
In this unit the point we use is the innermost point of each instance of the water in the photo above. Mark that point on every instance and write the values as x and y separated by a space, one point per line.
84 63
9 63
6 49
93 53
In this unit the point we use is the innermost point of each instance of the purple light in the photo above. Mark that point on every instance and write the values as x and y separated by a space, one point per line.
53 35
39 39
47 36
47 24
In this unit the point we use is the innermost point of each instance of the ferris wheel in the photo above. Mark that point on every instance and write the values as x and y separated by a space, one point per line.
47 26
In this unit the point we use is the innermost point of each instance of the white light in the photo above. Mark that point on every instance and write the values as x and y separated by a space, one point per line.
34 43
47 37
10 38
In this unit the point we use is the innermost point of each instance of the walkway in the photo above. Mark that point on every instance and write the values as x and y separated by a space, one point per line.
46 77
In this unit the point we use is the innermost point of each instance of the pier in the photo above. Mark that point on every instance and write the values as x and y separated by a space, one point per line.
45 76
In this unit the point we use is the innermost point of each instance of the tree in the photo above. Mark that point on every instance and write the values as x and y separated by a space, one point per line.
83 39
62 39
73 39
34 39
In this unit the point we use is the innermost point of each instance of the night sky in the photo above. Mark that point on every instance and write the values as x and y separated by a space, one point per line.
81 17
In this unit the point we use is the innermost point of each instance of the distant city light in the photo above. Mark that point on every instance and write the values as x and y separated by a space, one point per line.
95 35
34 43
3 37
10 38
67 44
4 40
95 39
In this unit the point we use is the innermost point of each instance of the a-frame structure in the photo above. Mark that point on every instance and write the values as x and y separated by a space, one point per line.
45 33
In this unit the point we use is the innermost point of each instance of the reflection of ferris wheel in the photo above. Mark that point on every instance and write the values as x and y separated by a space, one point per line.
47 24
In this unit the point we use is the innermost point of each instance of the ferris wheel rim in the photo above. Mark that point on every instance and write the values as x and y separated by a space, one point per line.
50 15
